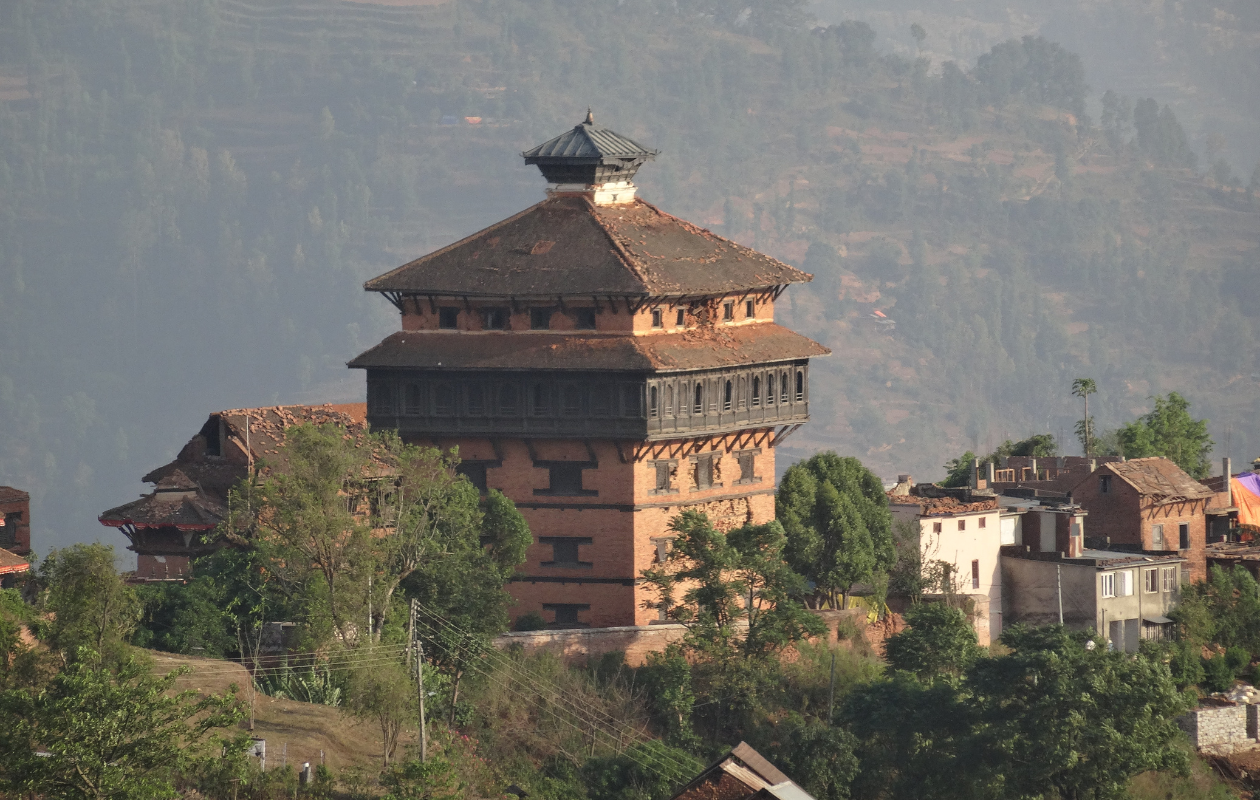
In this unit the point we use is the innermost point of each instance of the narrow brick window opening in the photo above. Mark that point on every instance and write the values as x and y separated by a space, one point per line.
728 311
448 317
682 318
962 524
584 319
984 522
539 319
1183 532
1104 484
565 551
475 472
750 309
665 477
565 479
658 319
566 614
705 472
747 461
938 527
494 319
975 574
1157 537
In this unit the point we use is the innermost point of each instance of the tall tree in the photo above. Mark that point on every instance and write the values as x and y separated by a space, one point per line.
839 531
939 641
1083 388
1169 431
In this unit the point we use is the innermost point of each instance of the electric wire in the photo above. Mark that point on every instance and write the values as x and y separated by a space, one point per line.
609 726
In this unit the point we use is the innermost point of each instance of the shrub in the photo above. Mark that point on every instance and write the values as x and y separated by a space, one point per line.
533 621
1218 675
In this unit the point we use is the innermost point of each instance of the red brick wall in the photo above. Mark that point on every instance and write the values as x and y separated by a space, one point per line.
21 531
623 538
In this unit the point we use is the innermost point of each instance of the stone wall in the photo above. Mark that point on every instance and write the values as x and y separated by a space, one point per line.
636 641
1218 729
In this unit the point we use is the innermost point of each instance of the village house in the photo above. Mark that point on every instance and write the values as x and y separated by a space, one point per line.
1149 505
602 363
962 531
1124 596
15 534
168 527
741 774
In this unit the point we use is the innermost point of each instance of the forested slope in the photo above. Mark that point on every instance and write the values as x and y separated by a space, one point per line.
191 194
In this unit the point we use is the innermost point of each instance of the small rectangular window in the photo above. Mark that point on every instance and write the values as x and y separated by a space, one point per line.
413 400
662 544
475 472
658 319
1150 581
584 319
494 319
476 394
444 400
938 527
665 477
750 309
728 311
962 524
975 574
747 461
682 318
539 319
704 469
1183 533
448 317
1107 586
1157 537
1104 484
1124 583
984 522
566 614
565 551
1170 579
565 480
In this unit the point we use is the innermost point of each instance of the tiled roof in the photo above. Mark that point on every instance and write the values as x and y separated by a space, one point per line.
11 563
667 352
941 506
1159 477
192 510
9 495
567 245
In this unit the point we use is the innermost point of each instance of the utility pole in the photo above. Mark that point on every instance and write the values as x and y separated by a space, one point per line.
831 689
424 737
1058 579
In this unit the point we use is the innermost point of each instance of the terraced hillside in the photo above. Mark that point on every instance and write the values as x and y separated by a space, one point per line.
192 193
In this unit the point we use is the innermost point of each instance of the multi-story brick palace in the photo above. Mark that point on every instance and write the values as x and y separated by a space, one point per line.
603 364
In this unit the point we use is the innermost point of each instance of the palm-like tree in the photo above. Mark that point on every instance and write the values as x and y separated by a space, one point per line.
1083 388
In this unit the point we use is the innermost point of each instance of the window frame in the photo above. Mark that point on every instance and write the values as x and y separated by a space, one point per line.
535 314
448 318
581 320
1107 584
564 487
658 318
750 309
705 464
669 468
496 318
728 311
574 542
1150 580
975 573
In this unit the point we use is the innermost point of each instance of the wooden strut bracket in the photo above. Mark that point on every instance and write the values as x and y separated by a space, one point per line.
433 308
784 432
590 451
498 450
533 454
621 454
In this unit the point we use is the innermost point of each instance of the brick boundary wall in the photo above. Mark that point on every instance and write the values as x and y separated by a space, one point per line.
636 641
1218 729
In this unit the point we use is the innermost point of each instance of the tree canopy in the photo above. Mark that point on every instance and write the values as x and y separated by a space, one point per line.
1168 430
835 515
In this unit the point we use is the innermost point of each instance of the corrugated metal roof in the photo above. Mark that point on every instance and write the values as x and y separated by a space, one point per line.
588 141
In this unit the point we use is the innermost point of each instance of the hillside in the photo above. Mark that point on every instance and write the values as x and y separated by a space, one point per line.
191 195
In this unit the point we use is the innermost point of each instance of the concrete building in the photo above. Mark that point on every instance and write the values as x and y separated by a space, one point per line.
962 531
603 364
1124 596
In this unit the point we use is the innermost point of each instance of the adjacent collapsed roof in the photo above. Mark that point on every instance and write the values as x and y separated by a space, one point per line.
176 502
1159 478
763 343
567 245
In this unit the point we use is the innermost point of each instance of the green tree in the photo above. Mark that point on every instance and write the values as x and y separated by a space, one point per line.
835 514
382 692
958 471
939 641
116 733
815 754
666 678
1083 388
648 770
1058 718
89 602
1224 610
1169 431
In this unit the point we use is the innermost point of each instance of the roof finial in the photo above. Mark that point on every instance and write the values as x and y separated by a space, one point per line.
590 118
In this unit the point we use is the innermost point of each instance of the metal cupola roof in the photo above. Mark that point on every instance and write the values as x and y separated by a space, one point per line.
589 154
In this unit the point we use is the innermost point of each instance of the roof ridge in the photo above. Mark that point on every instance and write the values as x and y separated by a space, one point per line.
475 234
627 259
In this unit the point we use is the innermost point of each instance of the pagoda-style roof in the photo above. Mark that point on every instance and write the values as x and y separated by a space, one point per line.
762 343
589 154
567 245
176 502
